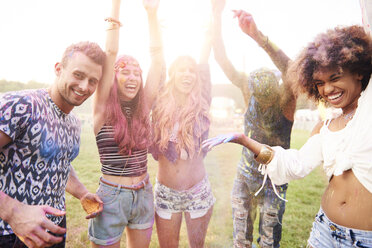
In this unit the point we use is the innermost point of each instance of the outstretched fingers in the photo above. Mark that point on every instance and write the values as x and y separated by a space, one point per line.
237 13
208 144
245 19
212 142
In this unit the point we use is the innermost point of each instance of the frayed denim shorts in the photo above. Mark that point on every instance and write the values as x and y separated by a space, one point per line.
121 208
196 201
326 234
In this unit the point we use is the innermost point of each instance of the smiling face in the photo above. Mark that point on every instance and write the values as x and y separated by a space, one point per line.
340 89
185 77
128 75
75 82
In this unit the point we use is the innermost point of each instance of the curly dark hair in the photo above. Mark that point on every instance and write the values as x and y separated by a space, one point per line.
342 48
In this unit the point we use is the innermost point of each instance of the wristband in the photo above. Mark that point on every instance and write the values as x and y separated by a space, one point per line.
265 155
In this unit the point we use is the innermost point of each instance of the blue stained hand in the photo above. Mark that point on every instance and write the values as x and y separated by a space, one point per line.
220 139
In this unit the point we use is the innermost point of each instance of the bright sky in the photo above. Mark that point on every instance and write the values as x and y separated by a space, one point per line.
34 33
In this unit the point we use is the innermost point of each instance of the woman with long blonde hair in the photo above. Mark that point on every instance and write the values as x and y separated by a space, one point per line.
185 104
180 123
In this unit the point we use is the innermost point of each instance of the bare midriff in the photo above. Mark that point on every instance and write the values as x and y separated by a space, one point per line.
347 202
181 175
125 180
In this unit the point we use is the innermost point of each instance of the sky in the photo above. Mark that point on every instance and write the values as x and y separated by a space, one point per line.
34 33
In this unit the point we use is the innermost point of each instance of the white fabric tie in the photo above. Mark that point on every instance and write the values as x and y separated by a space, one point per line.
262 169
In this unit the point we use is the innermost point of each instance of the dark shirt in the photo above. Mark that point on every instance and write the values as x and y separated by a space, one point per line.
267 126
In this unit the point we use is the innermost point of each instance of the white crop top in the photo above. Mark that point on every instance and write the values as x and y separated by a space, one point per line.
349 148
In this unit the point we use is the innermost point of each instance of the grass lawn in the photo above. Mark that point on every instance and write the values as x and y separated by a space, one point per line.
303 196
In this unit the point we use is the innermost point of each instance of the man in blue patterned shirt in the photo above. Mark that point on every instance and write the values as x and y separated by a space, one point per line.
39 138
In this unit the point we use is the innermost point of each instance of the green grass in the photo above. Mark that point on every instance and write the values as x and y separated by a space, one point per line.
303 196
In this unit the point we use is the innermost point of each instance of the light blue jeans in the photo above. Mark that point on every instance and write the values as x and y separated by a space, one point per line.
121 208
327 234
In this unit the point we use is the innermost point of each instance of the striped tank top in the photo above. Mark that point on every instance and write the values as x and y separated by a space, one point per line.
114 163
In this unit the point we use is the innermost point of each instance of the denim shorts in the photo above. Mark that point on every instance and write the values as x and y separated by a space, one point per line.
121 208
325 233
196 201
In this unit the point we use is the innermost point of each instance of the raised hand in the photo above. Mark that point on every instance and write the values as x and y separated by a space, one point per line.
246 23
151 6
218 6
30 224
220 139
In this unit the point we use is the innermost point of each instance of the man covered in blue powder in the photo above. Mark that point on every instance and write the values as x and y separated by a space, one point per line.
268 119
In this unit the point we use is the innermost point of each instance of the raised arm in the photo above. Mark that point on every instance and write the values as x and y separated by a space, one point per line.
282 165
157 72
203 67
249 27
112 47
237 78
279 58
207 45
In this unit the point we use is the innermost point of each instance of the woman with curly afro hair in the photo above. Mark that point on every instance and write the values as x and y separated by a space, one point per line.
334 68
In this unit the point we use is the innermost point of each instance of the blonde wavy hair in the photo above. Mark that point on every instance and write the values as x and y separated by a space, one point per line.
192 117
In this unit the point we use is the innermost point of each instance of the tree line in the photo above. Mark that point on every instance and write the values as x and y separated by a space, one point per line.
6 86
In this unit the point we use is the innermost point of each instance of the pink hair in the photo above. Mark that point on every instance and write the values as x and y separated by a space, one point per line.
193 117
132 136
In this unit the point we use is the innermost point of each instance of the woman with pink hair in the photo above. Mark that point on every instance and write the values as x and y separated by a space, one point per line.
121 125
180 123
